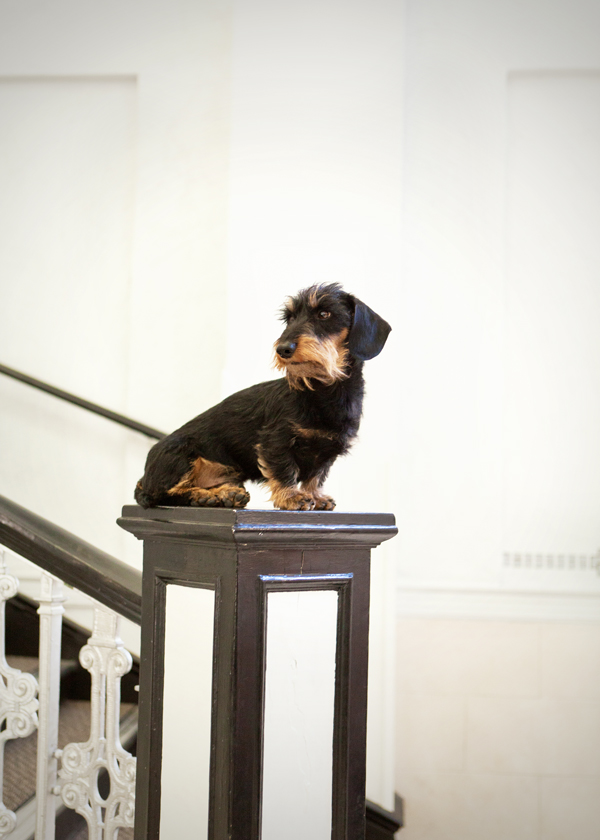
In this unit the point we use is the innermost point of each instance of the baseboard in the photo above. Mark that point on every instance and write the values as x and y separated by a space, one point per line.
453 601
382 824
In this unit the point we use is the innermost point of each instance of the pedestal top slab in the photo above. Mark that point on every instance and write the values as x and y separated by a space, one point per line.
239 527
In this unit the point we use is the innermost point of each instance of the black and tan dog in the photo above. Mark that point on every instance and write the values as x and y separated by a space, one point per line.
287 432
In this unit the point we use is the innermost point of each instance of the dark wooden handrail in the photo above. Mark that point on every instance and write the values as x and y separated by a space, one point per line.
121 419
113 583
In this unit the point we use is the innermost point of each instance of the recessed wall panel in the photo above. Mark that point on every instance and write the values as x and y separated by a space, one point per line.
67 158
187 713
552 340
298 736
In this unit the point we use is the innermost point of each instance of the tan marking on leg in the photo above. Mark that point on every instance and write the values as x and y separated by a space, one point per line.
284 497
208 474
211 484
289 498
322 500
204 474
226 495
183 485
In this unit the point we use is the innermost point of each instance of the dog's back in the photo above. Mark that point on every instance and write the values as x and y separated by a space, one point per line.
226 434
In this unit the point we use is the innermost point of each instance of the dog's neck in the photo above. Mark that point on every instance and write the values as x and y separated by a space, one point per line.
338 406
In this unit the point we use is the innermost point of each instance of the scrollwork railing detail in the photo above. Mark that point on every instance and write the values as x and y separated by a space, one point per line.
51 612
18 695
107 660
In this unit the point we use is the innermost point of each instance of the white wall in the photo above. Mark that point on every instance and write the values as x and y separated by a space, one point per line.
168 173
498 463
498 728
498 449
439 159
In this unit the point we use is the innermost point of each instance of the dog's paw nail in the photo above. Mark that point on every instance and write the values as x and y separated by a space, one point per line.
212 501
228 503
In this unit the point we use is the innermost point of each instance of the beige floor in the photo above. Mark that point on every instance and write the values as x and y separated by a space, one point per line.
498 729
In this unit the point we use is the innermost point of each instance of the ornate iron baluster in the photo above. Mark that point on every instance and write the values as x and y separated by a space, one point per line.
50 612
107 660
18 702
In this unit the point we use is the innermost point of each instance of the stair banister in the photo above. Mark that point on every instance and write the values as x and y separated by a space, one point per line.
243 555
27 703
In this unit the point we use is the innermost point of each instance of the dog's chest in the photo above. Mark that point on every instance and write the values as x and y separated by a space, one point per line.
312 446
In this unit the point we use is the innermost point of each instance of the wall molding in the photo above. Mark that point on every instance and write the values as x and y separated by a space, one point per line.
497 603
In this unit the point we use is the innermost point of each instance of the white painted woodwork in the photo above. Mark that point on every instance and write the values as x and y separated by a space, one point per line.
107 661
498 445
498 422
552 409
26 705
189 634
67 147
299 698
51 612
18 696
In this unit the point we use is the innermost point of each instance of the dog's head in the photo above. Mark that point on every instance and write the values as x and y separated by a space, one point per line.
324 327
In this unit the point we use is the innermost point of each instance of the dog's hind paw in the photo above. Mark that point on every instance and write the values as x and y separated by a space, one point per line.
232 497
226 495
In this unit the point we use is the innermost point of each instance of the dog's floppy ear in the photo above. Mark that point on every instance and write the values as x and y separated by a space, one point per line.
369 332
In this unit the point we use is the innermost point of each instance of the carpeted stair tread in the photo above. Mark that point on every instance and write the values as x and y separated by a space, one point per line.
82 833
20 753
28 664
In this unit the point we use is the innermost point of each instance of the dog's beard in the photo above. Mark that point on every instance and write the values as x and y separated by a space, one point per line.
322 360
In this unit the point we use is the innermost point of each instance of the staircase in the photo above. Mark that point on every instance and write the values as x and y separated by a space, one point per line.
87 720
20 754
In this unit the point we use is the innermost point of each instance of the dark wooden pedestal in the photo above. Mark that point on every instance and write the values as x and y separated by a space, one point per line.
242 555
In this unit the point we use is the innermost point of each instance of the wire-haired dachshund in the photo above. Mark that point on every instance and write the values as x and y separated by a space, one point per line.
286 432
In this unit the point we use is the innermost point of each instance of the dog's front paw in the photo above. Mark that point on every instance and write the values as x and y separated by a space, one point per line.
295 501
323 502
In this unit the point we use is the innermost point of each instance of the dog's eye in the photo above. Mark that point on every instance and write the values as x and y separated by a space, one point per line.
323 315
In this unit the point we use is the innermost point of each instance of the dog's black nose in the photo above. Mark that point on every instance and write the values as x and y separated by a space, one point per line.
286 349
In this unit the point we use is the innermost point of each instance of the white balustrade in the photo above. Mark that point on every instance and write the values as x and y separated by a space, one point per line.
107 661
25 706
18 701
50 612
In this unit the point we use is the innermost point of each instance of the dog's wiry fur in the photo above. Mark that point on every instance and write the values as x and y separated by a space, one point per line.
287 432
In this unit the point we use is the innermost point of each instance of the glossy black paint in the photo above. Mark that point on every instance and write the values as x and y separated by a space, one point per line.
110 581
121 419
242 555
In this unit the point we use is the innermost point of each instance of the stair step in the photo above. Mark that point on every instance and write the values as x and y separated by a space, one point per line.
20 753
22 637
30 665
